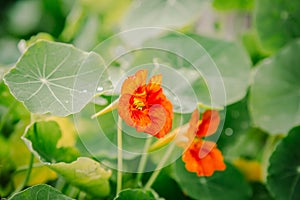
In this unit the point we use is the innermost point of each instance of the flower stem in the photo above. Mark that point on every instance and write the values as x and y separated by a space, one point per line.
159 167
120 163
143 160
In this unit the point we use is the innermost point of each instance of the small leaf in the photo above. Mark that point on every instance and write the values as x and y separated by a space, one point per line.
274 102
229 183
135 194
57 78
86 174
40 192
279 25
284 168
42 138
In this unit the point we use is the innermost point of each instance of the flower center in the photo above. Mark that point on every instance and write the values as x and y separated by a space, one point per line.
138 103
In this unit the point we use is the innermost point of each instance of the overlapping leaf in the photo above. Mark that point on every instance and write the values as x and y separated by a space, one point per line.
57 78
172 14
86 174
274 96
284 169
42 138
38 192
279 25
229 182
135 194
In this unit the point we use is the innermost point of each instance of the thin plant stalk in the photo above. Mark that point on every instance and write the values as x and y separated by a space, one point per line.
29 169
159 167
143 160
120 156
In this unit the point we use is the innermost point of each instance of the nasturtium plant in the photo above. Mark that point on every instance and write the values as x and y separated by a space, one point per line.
284 167
173 14
160 99
228 182
276 82
135 194
279 25
68 75
41 191
37 138
86 174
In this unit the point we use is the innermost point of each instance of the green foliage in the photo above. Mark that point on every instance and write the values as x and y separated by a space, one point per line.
278 25
41 191
37 138
233 4
284 167
274 95
62 61
135 194
172 14
69 75
232 62
227 182
86 174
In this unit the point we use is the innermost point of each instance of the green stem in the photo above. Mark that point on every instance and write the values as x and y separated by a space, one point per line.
31 159
72 192
23 168
60 183
268 149
159 167
28 170
143 160
120 162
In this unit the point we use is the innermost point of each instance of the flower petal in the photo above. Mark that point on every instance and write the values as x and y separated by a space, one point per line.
132 83
145 107
123 109
209 124
203 157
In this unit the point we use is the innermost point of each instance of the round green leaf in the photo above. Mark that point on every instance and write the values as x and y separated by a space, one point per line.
86 174
40 192
229 183
57 78
233 62
188 55
277 22
42 137
284 168
135 194
274 96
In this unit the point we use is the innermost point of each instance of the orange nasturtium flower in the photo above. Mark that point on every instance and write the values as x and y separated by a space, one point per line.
201 156
144 106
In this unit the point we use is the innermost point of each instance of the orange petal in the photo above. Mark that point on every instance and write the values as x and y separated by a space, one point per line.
145 107
158 117
133 82
123 109
204 164
154 83
209 124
